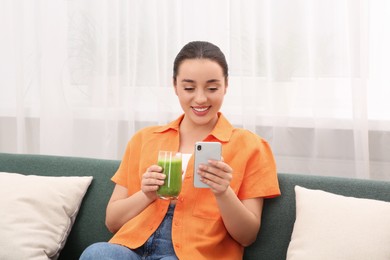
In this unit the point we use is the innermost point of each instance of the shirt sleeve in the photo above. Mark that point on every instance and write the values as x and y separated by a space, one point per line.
260 178
127 173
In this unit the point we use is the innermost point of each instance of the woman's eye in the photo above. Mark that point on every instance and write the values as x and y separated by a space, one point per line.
189 88
213 89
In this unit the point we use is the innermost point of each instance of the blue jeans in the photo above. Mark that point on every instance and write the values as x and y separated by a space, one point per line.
158 246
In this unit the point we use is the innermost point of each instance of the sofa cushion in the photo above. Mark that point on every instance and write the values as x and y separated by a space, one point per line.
37 213
331 226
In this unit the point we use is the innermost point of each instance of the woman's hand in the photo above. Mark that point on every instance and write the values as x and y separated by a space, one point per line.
151 181
217 175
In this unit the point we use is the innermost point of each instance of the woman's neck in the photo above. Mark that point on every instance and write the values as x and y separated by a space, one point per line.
191 133
188 127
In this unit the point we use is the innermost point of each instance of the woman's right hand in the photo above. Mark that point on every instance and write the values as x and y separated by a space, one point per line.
151 181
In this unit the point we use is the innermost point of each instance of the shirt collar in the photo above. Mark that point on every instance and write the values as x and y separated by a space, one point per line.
174 125
222 130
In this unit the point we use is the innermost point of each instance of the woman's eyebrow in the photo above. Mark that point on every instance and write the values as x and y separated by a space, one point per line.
208 81
188 80
213 80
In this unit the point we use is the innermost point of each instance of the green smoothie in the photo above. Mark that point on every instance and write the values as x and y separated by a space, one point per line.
172 183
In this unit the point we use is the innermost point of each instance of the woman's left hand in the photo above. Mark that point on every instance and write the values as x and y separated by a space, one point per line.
217 174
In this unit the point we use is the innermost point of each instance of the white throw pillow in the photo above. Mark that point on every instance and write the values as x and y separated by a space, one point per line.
37 214
330 226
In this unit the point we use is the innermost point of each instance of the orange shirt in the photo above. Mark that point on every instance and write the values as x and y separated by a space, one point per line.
198 231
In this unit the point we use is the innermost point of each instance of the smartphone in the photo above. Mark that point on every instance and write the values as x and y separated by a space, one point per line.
203 152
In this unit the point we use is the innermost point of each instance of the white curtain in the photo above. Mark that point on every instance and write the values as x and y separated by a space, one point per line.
79 77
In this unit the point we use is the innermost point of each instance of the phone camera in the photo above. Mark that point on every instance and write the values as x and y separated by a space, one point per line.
199 147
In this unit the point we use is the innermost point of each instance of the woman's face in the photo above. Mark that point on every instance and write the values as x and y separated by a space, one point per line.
200 86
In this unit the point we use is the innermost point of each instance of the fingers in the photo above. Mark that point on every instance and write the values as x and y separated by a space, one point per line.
152 179
218 168
221 165
154 168
217 175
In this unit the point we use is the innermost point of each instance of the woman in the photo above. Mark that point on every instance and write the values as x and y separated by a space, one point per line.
212 223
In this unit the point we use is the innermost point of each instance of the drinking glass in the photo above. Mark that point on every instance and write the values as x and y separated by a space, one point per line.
171 162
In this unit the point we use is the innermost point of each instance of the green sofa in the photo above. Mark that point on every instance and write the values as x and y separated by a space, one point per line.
278 214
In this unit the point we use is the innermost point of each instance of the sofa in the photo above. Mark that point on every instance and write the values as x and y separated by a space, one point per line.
278 218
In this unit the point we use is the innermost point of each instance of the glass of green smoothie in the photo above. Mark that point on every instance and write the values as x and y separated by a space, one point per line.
171 164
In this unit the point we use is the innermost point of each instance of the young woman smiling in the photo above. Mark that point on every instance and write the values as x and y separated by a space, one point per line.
203 223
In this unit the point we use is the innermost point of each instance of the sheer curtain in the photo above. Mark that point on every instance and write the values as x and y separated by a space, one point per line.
78 78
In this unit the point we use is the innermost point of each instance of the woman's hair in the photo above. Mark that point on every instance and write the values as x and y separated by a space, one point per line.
200 50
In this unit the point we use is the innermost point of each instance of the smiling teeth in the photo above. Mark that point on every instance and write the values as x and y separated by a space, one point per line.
200 109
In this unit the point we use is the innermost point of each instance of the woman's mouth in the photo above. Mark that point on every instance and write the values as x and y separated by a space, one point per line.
201 111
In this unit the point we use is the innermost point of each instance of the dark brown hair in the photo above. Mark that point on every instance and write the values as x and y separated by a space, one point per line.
200 50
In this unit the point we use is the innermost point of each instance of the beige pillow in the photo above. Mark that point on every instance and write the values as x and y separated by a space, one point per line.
37 214
330 226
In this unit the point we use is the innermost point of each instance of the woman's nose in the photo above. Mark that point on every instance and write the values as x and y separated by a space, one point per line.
200 97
